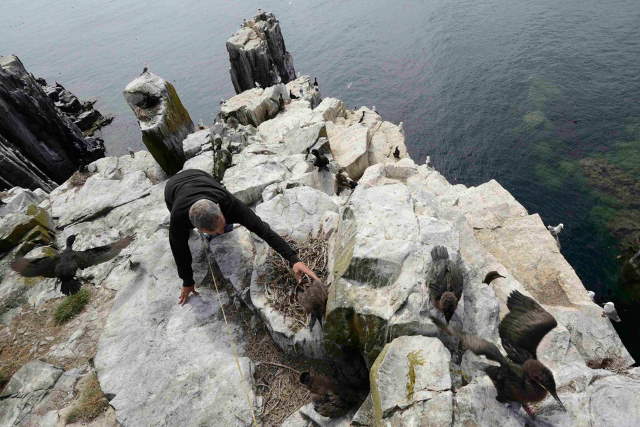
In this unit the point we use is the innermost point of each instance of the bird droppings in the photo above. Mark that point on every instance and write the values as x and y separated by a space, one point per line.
281 287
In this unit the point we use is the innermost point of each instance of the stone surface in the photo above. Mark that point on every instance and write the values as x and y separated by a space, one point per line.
163 120
349 146
39 146
254 106
408 370
257 54
25 390
141 354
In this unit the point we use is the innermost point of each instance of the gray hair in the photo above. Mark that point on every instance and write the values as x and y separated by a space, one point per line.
205 214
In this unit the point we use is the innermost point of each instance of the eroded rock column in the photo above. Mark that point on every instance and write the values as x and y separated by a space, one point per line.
258 54
163 120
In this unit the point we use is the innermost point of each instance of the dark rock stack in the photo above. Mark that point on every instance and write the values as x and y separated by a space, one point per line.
258 55
82 114
40 146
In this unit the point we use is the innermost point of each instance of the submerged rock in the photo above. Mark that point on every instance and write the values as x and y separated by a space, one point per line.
163 120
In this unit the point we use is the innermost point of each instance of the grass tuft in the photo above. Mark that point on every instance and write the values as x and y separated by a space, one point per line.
71 306
91 404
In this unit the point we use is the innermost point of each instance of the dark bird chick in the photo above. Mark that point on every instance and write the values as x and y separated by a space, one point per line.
445 283
320 160
330 398
491 276
292 96
64 265
396 153
314 301
520 376
344 181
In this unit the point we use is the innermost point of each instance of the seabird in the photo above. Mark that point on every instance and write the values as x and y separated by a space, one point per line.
292 96
321 161
314 301
258 85
401 127
222 101
373 108
446 282
427 161
145 69
396 153
592 295
201 124
609 310
491 276
281 103
361 117
64 265
330 399
315 81
555 230
521 377
344 181
301 92
131 152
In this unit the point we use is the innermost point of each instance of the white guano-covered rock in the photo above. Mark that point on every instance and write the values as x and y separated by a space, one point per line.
148 337
254 106
349 146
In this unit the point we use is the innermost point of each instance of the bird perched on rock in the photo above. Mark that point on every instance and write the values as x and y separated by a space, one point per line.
373 108
609 310
592 295
258 85
301 93
361 117
396 153
280 103
344 181
491 276
313 300
320 160
292 96
315 81
401 127
555 231
131 152
330 399
521 377
64 265
145 69
445 283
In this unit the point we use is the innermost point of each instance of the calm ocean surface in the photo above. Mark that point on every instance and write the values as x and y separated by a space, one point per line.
520 91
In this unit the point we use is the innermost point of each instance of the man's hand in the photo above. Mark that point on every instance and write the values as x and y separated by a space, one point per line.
184 295
300 268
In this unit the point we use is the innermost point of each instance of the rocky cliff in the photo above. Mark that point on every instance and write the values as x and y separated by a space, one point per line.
41 146
159 363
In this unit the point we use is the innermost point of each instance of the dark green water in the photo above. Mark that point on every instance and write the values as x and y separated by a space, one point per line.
520 91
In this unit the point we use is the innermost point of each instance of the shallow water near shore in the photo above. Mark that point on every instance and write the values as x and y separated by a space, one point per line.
542 96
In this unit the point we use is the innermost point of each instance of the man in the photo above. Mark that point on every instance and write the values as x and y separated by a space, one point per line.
197 200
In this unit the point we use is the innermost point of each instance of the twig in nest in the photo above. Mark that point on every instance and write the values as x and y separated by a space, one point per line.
280 365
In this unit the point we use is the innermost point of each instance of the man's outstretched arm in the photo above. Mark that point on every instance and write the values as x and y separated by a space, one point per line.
253 223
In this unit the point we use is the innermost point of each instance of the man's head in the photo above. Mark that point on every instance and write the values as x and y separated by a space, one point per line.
207 217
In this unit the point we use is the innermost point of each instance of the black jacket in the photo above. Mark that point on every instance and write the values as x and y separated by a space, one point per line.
187 187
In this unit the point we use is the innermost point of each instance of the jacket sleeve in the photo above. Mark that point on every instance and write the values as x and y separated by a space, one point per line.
179 240
253 223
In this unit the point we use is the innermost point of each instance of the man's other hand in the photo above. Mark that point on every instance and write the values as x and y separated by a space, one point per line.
300 268
184 294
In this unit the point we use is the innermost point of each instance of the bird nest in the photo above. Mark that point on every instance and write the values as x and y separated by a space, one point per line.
280 286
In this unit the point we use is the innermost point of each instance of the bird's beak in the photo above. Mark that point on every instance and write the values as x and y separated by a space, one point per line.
555 396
